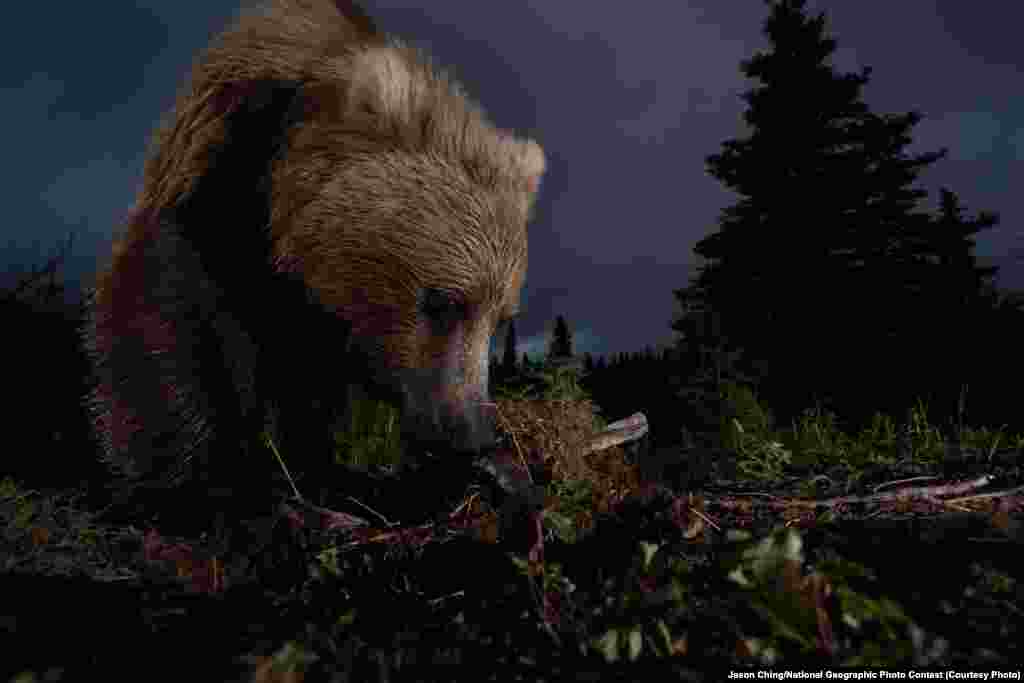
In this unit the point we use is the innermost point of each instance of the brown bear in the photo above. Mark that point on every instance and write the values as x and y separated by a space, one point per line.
324 208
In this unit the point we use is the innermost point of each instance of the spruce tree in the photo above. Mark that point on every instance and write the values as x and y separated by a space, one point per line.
588 362
806 270
508 357
561 340
954 276
958 300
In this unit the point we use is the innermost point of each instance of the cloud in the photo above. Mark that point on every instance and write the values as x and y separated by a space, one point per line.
1016 141
37 95
80 196
969 135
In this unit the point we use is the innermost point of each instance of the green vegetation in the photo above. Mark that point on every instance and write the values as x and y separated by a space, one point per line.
369 434
618 586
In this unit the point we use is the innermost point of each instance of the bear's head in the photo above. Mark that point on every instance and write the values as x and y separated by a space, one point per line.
313 170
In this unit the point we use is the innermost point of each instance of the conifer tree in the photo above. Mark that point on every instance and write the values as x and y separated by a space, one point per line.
508 357
588 362
561 340
957 293
808 271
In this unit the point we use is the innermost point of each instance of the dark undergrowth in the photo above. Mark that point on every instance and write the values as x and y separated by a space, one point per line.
801 549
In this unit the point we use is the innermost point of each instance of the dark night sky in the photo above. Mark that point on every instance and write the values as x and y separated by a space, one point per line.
626 98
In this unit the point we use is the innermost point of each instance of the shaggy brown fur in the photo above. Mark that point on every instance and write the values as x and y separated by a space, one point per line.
322 208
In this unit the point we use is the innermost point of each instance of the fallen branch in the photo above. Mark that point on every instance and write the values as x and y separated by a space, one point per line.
625 430
926 492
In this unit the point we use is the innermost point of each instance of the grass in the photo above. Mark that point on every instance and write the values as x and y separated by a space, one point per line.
369 435
793 548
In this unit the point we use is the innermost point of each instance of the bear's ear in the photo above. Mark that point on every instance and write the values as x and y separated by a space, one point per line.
530 160
383 84
386 88
526 159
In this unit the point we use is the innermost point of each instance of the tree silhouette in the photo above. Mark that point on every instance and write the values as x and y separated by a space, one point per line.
954 290
561 340
46 376
508 358
527 365
952 244
588 362
494 370
814 269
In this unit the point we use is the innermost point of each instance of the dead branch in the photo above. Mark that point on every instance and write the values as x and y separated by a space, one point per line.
622 431
932 492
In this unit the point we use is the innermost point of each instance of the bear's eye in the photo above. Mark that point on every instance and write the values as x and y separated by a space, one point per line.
441 306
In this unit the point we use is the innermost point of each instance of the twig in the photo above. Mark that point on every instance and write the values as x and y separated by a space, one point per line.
913 492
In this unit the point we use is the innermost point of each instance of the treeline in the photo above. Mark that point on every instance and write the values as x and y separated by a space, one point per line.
827 277
828 283
45 379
